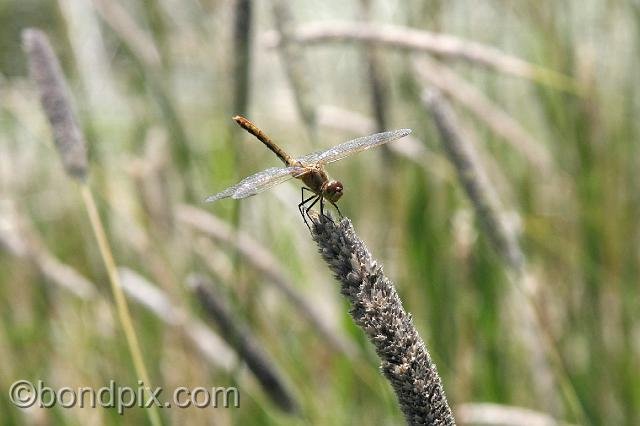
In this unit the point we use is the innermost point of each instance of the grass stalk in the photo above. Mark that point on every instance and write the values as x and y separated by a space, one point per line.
121 22
493 116
121 302
498 414
56 102
242 37
264 262
247 345
423 41
506 242
145 52
378 85
377 309
148 295
293 63
19 238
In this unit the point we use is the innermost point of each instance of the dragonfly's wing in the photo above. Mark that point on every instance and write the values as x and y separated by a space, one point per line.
257 183
351 147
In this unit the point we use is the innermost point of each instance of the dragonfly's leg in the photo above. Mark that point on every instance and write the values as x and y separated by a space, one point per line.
303 202
336 206
318 197
322 209
303 199
305 215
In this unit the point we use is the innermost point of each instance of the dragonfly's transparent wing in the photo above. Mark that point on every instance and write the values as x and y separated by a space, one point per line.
351 147
257 183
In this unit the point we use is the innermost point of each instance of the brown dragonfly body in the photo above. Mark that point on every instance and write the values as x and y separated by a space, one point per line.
309 168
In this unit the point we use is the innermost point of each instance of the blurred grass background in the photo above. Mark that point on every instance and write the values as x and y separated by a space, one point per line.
155 84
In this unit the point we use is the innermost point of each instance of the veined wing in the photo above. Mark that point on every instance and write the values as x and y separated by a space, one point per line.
257 183
351 147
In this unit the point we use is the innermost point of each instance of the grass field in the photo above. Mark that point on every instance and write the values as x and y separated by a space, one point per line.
508 220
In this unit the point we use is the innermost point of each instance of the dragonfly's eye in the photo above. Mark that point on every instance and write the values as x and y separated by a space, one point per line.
334 190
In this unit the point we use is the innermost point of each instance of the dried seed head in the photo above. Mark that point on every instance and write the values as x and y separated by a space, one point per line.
475 180
45 71
377 309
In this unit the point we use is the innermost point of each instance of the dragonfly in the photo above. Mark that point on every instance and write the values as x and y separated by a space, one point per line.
309 169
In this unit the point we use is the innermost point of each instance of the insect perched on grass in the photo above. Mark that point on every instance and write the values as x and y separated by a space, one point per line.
309 169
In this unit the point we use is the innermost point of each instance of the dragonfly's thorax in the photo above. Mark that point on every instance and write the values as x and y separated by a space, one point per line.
318 181
315 178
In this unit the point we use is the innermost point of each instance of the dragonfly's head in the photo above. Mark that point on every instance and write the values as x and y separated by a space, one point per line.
333 191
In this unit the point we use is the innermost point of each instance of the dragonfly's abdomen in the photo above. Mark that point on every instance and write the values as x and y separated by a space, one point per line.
262 137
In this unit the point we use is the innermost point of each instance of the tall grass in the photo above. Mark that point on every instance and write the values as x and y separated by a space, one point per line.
45 71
